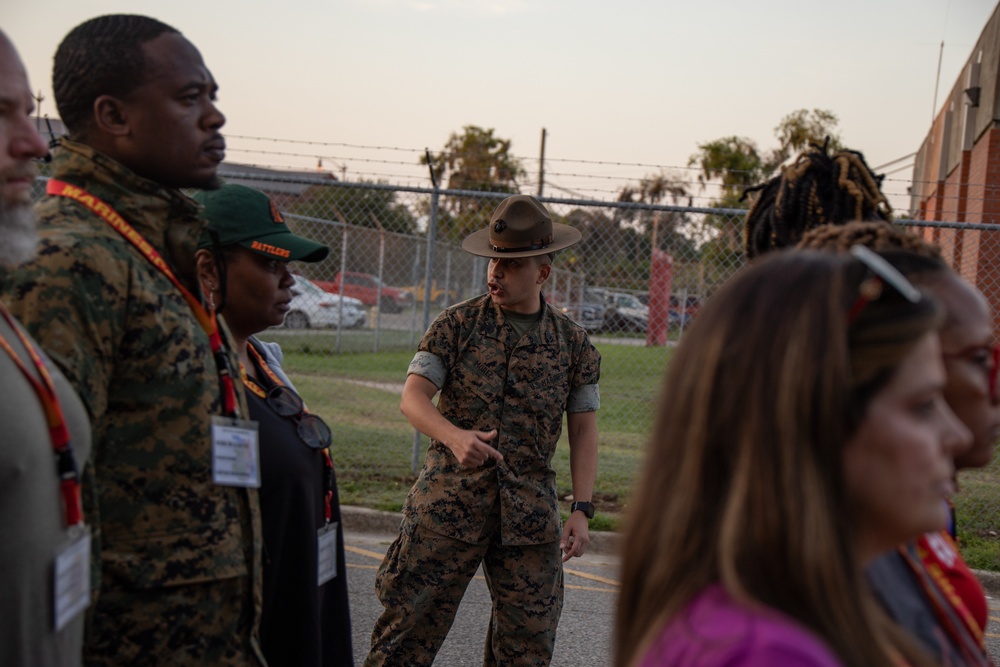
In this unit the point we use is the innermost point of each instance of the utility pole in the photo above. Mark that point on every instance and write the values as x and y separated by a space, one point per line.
937 80
541 167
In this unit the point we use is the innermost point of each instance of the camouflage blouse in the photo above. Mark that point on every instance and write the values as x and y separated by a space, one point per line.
490 379
127 340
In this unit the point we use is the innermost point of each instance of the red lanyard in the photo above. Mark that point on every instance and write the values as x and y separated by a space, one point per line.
69 476
206 318
259 391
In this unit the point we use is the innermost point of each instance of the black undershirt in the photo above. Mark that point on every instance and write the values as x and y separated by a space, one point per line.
301 624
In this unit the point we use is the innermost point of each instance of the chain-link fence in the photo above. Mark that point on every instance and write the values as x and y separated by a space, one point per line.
974 251
396 262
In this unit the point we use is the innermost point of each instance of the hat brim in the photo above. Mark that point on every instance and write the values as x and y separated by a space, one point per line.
287 247
563 236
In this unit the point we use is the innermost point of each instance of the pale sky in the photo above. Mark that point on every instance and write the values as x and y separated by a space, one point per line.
615 82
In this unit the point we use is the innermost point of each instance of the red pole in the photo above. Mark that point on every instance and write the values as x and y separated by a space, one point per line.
661 274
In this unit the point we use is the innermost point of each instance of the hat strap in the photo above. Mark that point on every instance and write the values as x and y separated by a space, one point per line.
540 245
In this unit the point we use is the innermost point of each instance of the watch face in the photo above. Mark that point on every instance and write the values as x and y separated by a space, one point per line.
586 508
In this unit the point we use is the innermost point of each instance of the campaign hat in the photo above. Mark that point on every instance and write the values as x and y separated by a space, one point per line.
520 227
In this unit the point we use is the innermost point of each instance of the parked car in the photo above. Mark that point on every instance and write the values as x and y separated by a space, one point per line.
369 290
625 313
439 296
314 307
589 313
678 316
590 316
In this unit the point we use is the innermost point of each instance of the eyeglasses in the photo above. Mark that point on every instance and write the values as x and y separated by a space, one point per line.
312 429
881 273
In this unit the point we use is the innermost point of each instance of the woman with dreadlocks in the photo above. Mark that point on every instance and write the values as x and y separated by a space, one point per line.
907 579
819 188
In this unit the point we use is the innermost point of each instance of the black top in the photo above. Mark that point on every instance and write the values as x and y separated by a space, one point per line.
302 624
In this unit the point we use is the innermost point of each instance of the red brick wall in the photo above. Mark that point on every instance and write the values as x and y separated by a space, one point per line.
970 193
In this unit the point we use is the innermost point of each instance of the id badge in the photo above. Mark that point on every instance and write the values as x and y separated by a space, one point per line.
235 452
327 553
71 585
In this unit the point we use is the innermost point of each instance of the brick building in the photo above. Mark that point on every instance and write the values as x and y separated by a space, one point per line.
956 175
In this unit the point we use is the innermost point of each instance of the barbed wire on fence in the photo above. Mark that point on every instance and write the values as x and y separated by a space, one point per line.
895 187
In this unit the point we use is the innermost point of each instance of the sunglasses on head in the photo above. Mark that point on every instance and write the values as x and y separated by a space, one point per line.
312 429
880 274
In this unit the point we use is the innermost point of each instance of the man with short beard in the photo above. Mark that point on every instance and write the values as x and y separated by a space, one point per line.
40 517
114 299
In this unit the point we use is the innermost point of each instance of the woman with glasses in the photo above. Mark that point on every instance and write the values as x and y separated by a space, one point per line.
801 432
243 261
905 578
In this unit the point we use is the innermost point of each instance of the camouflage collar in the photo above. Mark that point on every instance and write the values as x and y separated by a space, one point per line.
165 217
112 181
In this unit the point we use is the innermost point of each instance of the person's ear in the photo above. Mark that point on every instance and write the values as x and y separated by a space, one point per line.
208 272
110 116
543 273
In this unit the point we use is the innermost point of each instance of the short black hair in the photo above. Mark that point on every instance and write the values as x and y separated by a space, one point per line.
102 56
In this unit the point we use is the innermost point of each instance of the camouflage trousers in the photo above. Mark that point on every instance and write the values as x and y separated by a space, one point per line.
192 624
422 580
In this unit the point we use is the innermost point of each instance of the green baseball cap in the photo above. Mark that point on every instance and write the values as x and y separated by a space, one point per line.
238 214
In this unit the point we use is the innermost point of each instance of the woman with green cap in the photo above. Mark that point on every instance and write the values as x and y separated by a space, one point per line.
242 262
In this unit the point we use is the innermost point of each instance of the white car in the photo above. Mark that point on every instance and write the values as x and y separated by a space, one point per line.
315 307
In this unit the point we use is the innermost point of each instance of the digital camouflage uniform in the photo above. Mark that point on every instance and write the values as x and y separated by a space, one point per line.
177 558
504 515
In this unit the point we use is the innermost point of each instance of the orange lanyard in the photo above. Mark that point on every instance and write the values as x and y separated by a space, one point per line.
69 476
249 383
206 318
262 365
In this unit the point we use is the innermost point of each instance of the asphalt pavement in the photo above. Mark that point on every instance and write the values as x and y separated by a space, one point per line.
585 628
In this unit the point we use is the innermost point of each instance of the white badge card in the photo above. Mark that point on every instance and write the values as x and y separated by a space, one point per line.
71 589
235 452
327 553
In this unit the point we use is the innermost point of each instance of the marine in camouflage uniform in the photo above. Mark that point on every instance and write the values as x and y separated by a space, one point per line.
178 556
497 370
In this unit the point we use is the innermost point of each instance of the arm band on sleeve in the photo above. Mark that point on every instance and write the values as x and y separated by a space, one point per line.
429 366
583 399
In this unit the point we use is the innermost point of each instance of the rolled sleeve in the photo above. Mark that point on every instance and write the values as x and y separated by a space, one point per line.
586 398
429 366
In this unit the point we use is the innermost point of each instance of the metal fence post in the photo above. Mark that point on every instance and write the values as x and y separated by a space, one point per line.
343 278
381 282
431 242
431 239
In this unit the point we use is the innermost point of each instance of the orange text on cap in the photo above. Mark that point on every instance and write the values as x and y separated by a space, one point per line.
270 249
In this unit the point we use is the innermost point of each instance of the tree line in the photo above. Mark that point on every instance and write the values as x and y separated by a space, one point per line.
615 244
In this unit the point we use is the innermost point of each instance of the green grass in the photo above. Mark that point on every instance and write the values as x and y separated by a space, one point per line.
325 342
977 517
373 442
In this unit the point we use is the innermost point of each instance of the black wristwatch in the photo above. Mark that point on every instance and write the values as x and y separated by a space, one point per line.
585 507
